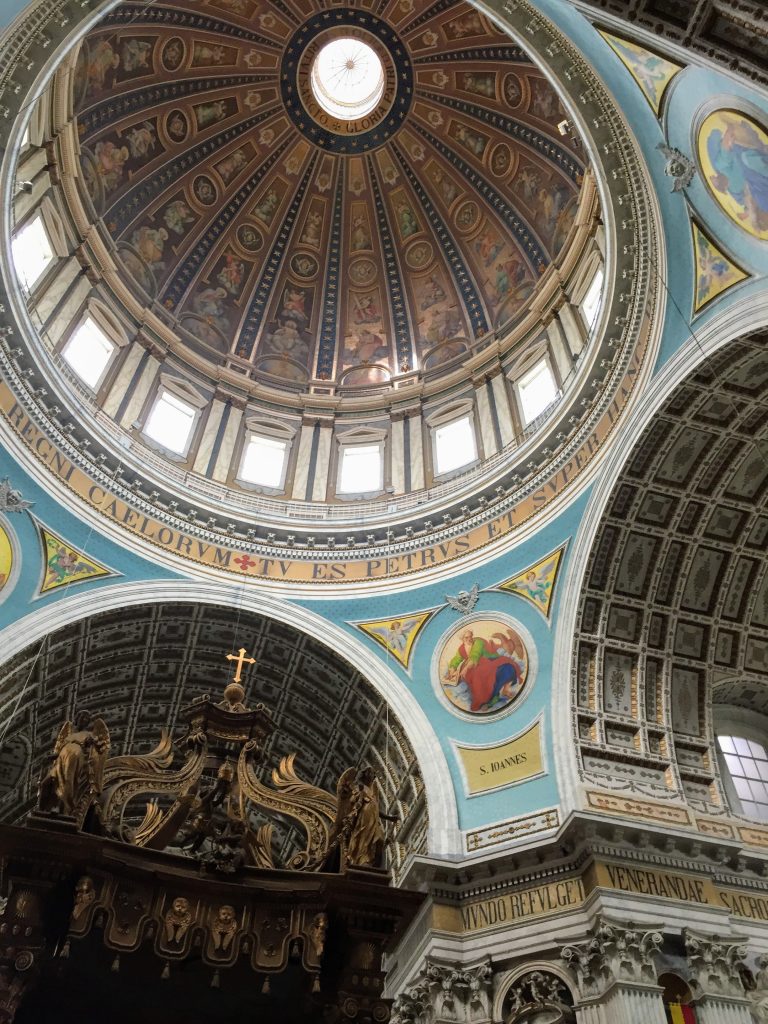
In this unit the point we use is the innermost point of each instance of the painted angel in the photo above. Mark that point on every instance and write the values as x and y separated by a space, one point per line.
395 635
537 583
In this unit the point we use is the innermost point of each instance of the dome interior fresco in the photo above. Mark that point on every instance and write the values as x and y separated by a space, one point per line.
286 243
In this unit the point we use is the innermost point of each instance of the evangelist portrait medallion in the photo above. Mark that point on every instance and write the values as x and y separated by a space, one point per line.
483 665
733 152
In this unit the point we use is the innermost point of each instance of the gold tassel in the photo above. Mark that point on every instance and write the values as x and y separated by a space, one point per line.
265 987
64 954
166 971
316 983
116 964
215 980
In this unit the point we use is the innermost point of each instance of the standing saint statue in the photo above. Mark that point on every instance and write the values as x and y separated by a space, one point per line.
366 837
74 780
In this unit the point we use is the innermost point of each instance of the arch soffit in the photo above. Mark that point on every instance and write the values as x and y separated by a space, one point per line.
725 329
444 838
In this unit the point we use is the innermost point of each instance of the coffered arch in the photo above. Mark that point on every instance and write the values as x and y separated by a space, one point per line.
138 667
675 593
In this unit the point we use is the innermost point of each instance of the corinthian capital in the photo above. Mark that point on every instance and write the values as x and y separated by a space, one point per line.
717 963
446 992
612 953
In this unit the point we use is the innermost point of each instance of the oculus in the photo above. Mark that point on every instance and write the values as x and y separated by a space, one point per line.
347 88
347 78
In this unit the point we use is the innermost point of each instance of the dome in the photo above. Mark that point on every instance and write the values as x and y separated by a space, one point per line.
295 244
305 315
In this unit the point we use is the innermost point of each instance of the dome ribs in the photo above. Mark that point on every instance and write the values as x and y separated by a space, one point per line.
523 233
440 7
329 324
189 268
150 15
404 333
503 54
468 288
264 289
133 202
138 100
542 145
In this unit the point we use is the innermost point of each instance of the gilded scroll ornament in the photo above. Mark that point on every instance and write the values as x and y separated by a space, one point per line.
211 805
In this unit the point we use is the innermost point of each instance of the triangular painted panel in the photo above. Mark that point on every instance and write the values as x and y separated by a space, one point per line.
536 584
651 72
715 273
397 635
65 565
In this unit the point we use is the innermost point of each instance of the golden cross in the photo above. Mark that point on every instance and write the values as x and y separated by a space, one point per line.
240 658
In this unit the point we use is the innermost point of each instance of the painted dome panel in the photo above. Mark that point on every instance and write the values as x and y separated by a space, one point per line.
276 236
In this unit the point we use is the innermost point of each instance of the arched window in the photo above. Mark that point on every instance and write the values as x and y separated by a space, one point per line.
742 754
746 763
677 1000
590 304
537 390
453 437
360 470
88 352
265 455
32 251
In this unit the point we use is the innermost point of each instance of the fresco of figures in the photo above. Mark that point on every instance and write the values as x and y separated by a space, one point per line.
733 152
482 666
238 221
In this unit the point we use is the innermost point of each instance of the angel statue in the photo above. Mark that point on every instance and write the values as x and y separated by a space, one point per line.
365 842
74 781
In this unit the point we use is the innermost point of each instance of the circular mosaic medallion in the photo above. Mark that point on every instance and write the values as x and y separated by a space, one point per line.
366 111
419 255
733 153
250 237
173 54
204 190
467 216
501 160
304 265
177 125
484 665
362 271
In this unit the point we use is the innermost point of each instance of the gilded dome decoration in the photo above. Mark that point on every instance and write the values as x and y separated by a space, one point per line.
242 209
311 320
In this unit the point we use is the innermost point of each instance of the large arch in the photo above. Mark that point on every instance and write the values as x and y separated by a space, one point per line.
673 575
443 832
